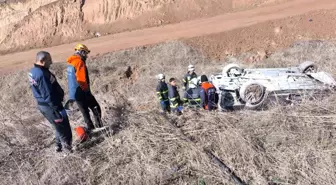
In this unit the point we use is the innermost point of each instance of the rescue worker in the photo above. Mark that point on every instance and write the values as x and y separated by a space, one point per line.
79 87
193 94
162 93
174 97
209 97
187 79
49 96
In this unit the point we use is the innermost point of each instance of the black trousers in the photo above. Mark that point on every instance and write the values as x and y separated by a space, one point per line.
60 122
89 102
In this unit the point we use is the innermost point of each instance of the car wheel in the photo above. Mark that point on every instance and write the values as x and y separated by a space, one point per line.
253 94
232 70
307 67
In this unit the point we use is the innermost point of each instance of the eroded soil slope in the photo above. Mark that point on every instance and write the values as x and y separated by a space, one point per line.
36 23
264 38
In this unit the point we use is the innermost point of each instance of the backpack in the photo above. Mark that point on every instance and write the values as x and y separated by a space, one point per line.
212 98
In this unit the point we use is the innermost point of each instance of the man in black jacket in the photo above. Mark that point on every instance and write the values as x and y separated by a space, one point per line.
49 96
174 97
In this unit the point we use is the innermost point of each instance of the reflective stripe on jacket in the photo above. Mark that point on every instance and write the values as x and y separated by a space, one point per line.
193 96
204 97
45 87
174 96
162 91
187 78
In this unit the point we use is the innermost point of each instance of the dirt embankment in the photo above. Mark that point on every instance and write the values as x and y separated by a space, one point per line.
12 12
264 38
36 23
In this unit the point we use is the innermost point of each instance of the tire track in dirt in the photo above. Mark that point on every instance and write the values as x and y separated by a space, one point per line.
181 30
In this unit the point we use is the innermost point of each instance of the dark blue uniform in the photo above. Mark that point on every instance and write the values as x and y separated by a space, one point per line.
162 93
174 98
49 96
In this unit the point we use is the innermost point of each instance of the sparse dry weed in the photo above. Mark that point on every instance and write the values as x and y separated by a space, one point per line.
281 145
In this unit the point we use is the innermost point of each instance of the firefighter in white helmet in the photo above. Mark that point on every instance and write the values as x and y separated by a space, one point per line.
162 93
193 94
187 80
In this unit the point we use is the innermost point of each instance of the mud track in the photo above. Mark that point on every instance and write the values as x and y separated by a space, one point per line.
183 30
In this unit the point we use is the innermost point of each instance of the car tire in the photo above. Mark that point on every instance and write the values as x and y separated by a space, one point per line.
229 67
253 94
307 67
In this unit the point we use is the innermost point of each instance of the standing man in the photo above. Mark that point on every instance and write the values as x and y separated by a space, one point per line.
162 93
187 79
208 94
79 87
174 97
49 96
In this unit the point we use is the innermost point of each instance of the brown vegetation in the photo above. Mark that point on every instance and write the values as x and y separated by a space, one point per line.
281 145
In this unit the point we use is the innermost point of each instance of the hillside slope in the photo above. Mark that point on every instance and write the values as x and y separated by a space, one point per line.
279 145
35 23
234 32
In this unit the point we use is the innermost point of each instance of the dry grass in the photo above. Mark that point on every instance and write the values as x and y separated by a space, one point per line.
283 145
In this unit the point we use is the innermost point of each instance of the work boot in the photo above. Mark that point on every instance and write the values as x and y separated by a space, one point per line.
88 131
58 148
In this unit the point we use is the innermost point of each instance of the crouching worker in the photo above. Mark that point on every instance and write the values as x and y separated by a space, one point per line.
162 93
49 96
193 94
174 97
209 97
79 87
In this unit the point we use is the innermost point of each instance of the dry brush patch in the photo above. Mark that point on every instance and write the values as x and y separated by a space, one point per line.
283 145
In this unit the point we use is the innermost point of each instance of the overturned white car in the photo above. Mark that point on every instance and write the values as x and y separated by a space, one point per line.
250 88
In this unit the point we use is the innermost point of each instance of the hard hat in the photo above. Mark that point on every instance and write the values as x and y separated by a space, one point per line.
161 76
193 83
82 47
191 68
81 133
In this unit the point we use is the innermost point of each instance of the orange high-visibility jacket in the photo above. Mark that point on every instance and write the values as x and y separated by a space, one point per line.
204 94
78 76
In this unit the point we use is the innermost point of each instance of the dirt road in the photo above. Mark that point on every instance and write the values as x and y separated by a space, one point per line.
181 30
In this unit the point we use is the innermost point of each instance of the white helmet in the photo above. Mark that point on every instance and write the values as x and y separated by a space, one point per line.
193 83
161 76
191 67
